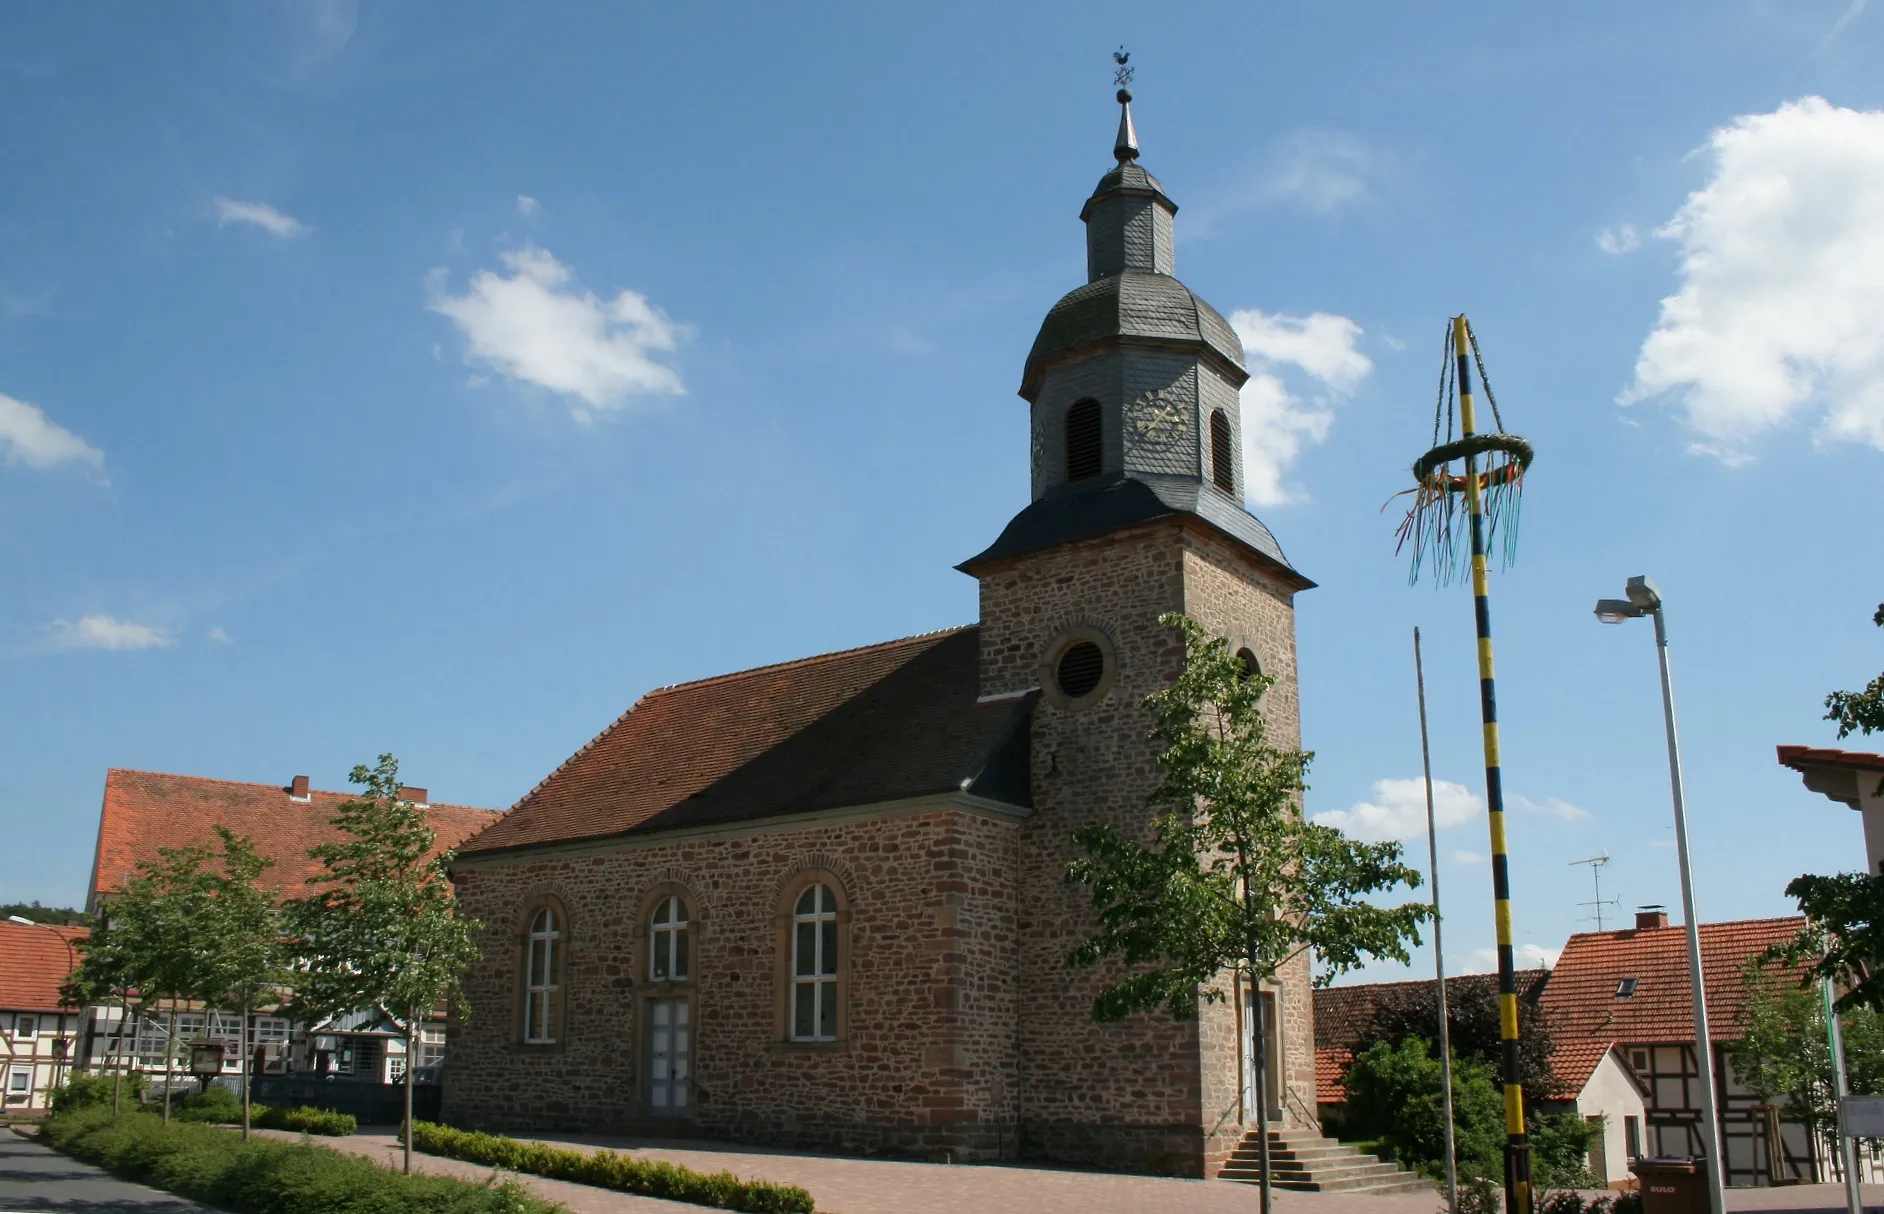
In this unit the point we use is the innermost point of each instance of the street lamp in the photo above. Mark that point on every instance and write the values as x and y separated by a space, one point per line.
1645 598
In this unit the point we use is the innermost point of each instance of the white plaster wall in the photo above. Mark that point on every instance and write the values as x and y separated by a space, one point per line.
1611 1094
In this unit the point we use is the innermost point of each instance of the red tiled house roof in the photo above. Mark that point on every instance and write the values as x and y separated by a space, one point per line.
884 723
33 962
1331 1067
1581 995
146 810
1835 773
1573 1062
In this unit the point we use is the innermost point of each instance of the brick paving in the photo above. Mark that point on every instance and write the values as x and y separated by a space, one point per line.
844 1185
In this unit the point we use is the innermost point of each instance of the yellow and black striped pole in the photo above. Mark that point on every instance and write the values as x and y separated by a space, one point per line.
1517 1147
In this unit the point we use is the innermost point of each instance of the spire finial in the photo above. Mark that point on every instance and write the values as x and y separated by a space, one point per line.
1125 147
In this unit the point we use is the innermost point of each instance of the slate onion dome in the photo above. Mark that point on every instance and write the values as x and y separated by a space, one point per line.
1130 292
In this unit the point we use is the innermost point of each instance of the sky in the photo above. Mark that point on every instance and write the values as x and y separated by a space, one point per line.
437 378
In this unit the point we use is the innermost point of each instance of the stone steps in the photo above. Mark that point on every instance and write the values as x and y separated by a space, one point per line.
1310 1164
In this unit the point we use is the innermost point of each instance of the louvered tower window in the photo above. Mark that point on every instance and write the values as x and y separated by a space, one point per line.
1222 458
1084 451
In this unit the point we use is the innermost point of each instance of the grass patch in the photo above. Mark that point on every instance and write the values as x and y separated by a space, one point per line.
266 1177
612 1170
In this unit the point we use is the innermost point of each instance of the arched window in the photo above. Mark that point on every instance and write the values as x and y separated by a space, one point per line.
543 976
1222 455
1246 658
1085 452
667 935
814 965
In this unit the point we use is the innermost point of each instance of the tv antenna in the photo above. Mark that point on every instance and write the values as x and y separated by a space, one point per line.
1597 903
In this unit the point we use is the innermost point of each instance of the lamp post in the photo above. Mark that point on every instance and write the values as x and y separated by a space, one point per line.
1645 598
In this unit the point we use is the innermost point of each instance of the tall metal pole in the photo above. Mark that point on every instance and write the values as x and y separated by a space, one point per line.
1439 951
1517 1146
1703 1042
1847 1147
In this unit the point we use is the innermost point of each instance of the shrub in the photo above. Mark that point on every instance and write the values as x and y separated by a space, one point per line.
263 1176
1560 1152
85 1091
610 1170
306 1120
1395 1098
216 1106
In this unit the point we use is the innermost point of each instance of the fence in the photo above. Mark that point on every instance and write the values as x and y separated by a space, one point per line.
370 1103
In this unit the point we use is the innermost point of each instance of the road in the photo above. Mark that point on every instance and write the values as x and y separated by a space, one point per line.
37 1178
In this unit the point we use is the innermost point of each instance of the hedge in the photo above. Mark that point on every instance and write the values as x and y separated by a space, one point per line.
611 1170
220 1106
262 1176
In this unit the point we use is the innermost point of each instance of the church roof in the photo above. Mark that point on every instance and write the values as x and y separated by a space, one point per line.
1134 304
1126 178
1098 507
884 723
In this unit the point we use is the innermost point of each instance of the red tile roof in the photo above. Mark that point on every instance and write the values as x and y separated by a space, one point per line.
864 726
1834 773
146 810
1581 995
1331 1067
33 962
1573 1062
1801 757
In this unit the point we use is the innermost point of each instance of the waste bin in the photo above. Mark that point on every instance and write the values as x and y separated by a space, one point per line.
1671 1185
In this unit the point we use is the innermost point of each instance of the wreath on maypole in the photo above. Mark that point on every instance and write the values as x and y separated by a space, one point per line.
1437 524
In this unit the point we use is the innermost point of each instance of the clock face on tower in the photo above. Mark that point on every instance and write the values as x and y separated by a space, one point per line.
1158 416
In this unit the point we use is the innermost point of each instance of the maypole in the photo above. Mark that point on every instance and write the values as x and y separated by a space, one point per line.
1491 500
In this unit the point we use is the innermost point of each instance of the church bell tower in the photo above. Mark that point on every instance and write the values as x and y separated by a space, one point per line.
1137 509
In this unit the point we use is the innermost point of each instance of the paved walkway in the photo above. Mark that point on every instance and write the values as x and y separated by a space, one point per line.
33 1177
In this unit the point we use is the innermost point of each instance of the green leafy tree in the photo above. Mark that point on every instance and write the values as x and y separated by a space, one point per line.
381 932
1782 1054
59 915
106 973
1234 878
1859 711
246 965
1396 1098
1472 1022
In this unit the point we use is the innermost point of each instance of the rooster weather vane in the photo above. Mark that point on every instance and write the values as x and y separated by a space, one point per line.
1123 75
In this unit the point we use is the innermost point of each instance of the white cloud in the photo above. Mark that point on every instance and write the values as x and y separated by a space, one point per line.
1780 311
1398 810
1556 807
528 207
32 439
217 635
104 632
535 326
1623 238
260 214
1467 857
1525 957
1278 423
1321 171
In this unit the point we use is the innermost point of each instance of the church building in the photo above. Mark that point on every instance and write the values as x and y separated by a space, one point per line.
823 904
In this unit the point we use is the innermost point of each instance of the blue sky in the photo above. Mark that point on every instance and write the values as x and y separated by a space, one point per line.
437 378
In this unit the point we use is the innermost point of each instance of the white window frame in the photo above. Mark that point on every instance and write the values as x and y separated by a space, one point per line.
431 1047
669 957
543 944
814 978
20 1081
25 1026
272 1030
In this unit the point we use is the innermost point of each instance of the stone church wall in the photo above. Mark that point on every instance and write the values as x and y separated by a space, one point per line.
926 1061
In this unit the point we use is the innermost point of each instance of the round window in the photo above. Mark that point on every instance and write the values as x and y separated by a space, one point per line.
1080 669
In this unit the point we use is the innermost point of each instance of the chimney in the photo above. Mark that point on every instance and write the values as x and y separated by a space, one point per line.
1649 917
415 795
297 788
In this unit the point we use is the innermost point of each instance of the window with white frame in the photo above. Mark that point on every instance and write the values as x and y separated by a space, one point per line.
223 1024
395 1069
271 1030
19 1083
190 1025
25 1026
542 989
667 952
431 1047
814 965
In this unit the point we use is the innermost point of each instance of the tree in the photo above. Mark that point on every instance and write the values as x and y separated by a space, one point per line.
1782 1054
59 915
159 939
380 932
247 960
1395 1098
1472 1020
1859 711
1234 877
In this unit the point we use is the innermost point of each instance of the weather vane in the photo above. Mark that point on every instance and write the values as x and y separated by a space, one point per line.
1123 76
